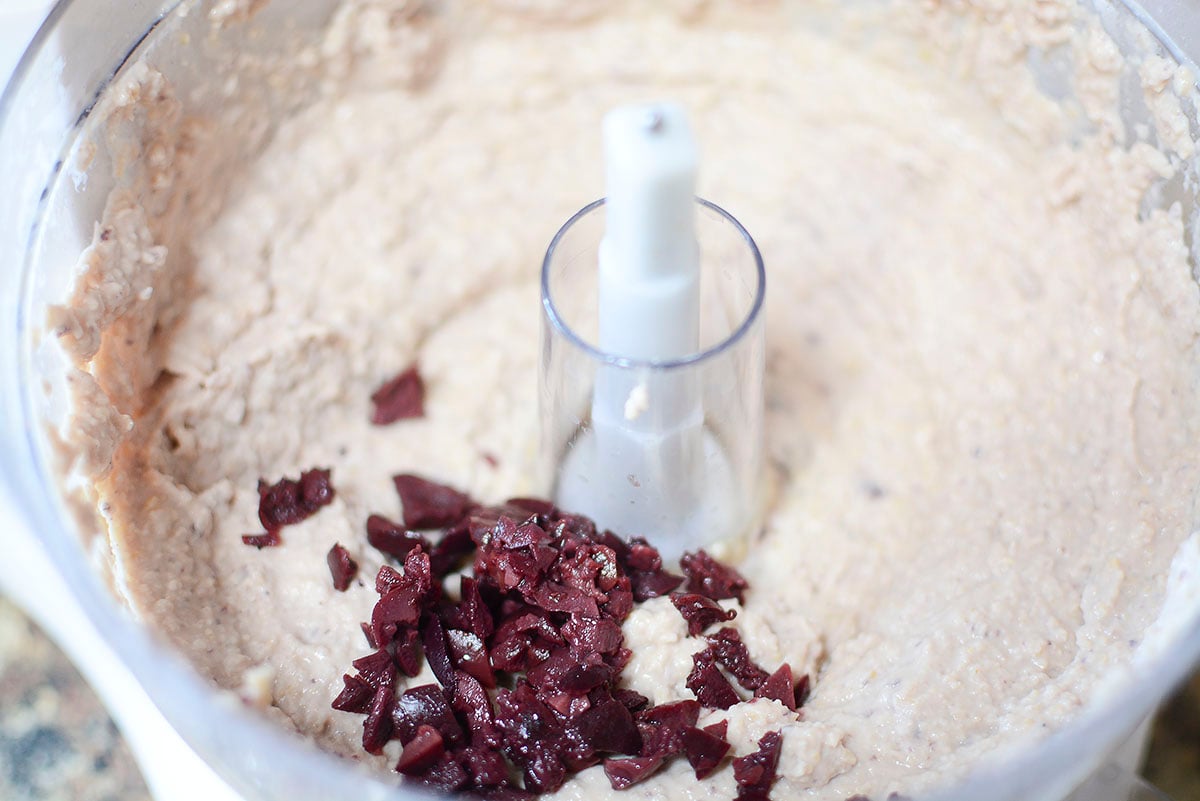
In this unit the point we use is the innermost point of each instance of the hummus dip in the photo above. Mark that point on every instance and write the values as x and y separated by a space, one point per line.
981 332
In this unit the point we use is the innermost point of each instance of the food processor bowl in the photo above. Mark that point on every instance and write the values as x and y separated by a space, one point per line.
193 740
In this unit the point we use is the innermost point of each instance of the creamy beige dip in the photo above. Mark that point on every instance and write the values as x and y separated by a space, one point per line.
981 384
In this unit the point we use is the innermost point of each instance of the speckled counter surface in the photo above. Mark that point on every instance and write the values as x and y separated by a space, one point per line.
58 744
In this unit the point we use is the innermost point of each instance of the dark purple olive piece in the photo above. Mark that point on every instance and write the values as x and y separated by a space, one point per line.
755 773
401 398
709 577
704 750
624 773
700 611
428 504
422 751
392 538
341 566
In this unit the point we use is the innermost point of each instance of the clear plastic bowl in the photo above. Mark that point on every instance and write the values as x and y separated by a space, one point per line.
46 216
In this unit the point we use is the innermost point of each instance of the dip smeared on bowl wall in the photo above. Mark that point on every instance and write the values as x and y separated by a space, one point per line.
981 374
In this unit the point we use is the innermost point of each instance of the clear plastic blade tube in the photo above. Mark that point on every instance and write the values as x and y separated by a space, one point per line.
672 448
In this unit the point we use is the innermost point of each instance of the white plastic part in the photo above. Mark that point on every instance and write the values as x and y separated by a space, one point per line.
649 258
647 466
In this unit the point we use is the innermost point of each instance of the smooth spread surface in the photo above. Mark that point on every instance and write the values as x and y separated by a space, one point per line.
981 366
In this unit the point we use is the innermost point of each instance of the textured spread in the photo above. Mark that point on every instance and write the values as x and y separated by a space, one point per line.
981 355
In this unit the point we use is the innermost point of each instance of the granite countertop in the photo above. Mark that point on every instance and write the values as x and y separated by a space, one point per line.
57 743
